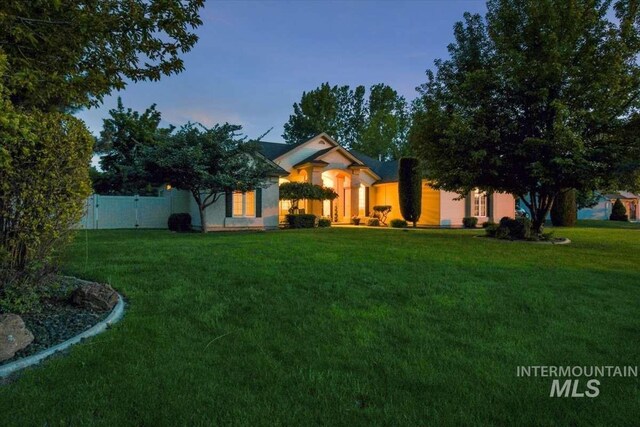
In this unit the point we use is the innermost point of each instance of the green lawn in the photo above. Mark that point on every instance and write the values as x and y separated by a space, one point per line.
344 327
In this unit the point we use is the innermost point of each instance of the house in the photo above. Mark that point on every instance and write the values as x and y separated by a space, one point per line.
361 183
605 202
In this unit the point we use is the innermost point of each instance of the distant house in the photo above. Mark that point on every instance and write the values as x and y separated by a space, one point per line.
602 209
361 183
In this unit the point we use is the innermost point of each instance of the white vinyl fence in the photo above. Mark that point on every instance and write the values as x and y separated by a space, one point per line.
104 212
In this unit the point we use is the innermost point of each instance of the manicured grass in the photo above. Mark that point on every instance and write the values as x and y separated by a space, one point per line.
345 327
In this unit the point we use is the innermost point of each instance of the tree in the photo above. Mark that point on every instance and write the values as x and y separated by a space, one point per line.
386 126
336 110
124 137
618 212
208 163
296 191
70 54
410 189
377 126
537 97
564 210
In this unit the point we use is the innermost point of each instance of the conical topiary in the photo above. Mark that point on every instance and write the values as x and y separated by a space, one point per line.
618 212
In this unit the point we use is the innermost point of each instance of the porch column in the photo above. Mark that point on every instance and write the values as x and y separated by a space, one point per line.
355 193
315 173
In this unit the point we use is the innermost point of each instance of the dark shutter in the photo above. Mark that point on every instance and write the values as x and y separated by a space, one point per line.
258 202
467 204
228 199
366 201
490 206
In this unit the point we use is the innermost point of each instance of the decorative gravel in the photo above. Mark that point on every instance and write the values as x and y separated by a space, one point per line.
58 321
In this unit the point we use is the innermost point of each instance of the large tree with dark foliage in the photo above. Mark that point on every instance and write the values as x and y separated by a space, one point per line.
70 54
208 163
55 57
124 137
410 189
377 125
537 97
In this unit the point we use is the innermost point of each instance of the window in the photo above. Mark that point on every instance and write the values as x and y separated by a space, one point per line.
479 203
362 199
244 204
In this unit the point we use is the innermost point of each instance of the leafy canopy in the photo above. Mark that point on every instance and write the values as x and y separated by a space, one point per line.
295 191
537 97
207 162
377 126
124 137
69 54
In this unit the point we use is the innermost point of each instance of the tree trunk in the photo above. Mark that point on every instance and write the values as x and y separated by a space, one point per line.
203 220
414 224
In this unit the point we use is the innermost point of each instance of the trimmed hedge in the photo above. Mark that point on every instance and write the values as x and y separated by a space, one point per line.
398 223
180 222
301 220
564 212
618 212
410 189
324 222
469 222
512 229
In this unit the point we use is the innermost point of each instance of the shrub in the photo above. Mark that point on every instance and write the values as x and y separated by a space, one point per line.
514 229
324 222
564 212
373 222
469 222
180 222
618 212
410 189
491 228
301 220
355 220
398 223
44 182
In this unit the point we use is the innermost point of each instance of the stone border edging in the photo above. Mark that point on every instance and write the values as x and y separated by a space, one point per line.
564 241
113 317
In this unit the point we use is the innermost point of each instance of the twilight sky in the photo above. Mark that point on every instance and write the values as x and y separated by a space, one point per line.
255 58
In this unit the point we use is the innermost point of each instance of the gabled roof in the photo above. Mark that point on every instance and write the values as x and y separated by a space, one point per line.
387 170
273 150
622 195
314 156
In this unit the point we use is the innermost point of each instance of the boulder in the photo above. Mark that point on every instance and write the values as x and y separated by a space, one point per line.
14 335
95 296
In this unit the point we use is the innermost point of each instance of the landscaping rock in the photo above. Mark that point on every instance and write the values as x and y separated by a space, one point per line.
14 335
95 296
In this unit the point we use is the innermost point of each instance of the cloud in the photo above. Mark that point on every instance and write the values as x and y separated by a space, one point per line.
206 116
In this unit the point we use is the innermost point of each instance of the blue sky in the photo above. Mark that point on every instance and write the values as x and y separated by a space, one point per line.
255 58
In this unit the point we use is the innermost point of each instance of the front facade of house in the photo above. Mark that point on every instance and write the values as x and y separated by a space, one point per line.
602 209
361 183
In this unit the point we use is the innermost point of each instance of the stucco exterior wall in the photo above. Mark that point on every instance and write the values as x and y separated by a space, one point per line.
430 209
215 214
600 211
385 194
502 205
451 211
